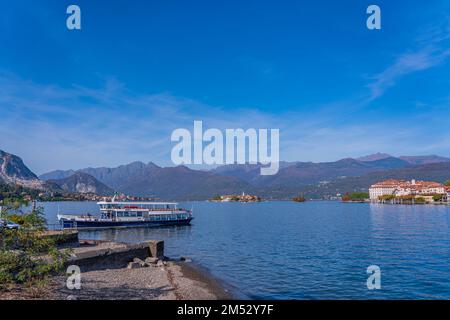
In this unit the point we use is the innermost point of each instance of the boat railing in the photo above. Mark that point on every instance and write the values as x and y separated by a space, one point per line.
145 209
54 226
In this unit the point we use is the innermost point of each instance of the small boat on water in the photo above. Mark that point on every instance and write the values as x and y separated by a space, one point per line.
129 214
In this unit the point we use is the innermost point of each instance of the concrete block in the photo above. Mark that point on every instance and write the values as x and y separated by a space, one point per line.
156 248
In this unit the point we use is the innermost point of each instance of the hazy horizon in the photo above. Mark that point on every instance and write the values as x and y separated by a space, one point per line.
210 167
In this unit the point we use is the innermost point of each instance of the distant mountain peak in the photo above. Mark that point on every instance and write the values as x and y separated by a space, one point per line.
56 175
181 168
347 160
420 160
81 182
14 171
134 163
375 157
152 165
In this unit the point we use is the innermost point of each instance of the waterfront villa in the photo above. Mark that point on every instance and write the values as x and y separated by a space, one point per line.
383 188
402 188
447 193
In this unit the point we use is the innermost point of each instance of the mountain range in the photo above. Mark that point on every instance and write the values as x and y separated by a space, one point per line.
303 173
182 183
150 180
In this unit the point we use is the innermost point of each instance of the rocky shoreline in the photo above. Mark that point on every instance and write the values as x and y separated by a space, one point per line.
108 274
169 281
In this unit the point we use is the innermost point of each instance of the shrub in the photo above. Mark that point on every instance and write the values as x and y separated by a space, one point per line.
26 254
420 200
386 197
359 196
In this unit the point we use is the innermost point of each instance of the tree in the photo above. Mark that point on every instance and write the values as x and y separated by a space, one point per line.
23 250
299 198
346 197
359 196
447 183
355 196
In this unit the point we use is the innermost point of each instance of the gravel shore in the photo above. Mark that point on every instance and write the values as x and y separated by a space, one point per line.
111 275
173 281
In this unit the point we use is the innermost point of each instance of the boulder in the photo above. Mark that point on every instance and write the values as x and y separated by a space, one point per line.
134 265
137 260
151 261
160 263
185 259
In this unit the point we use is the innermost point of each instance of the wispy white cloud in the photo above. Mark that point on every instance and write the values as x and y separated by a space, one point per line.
54 127
433 49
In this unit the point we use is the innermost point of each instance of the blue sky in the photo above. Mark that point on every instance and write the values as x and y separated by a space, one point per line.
113 92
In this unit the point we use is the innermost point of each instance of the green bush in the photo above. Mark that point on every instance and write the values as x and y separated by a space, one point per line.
359 196
420 200
386 197
26 254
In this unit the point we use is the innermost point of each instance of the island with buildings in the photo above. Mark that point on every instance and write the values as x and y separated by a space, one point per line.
409 192
237 198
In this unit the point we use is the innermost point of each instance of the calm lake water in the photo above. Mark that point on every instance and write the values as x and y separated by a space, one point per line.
312 250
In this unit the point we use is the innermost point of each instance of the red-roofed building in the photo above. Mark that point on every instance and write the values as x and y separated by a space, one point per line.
383 188
400 188
447 191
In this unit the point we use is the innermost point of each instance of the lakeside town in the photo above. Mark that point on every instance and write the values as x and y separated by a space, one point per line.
395 191
409 192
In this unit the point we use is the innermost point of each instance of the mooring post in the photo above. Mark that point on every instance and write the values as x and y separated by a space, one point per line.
156 248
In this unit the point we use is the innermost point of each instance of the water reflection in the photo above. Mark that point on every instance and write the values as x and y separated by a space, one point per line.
135 235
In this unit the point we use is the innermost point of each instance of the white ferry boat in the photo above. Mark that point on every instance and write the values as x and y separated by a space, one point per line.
129 214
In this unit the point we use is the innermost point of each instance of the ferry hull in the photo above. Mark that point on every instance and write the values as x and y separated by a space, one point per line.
70 224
